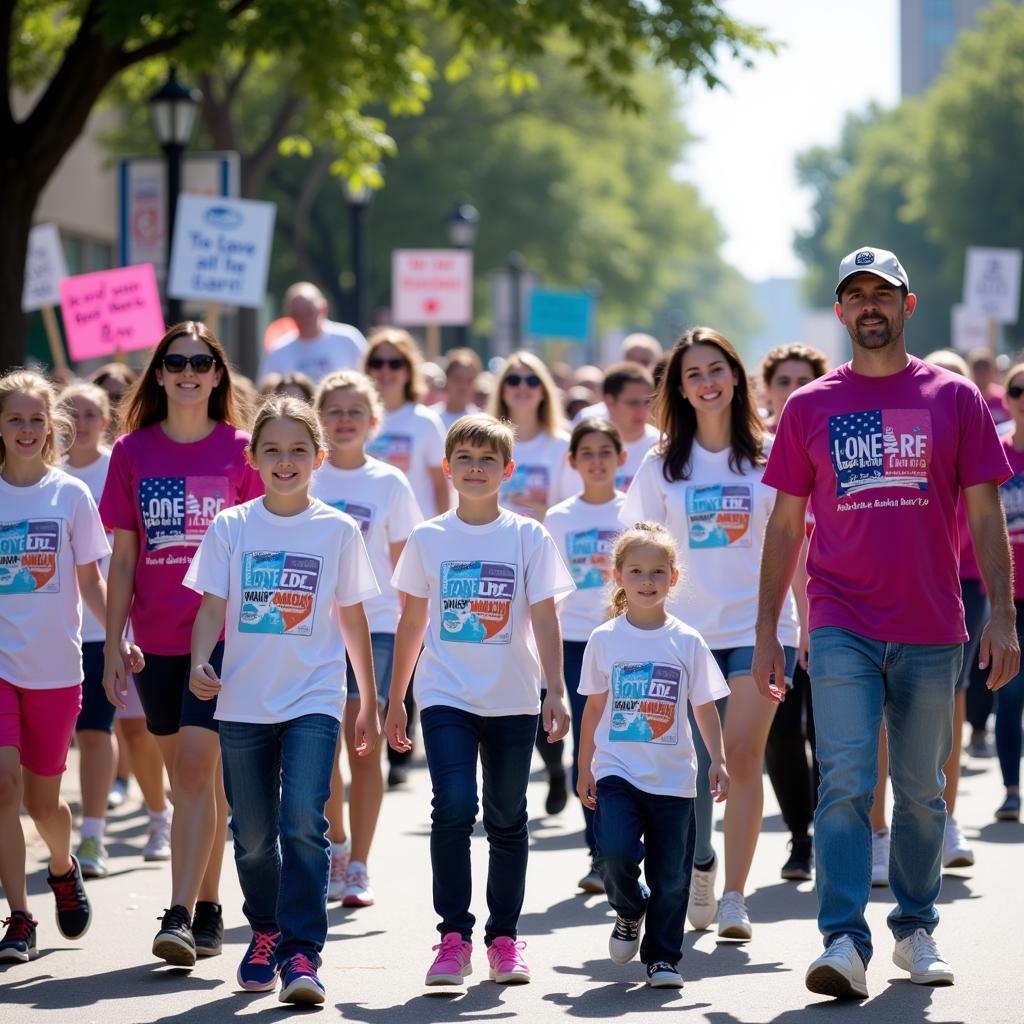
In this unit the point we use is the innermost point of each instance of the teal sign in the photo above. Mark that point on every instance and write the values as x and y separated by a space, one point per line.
560 314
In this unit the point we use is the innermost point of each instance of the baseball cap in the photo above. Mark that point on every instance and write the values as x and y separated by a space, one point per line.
869 260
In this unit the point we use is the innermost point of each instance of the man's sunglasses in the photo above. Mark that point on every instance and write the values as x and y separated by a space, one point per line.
513 380
201 363
379 362
1014 392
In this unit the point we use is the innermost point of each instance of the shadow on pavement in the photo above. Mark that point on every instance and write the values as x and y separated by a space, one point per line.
440 1005
625 997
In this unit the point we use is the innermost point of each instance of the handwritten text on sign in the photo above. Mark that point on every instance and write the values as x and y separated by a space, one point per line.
111 311
431 286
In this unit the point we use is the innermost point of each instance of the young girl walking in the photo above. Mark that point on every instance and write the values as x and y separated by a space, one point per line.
283 573
637 766
51 543
379 498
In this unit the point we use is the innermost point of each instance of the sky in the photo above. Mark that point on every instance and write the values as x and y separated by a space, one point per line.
837 58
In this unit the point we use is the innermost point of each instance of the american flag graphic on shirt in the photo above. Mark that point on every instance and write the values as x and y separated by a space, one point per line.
179 509
880 448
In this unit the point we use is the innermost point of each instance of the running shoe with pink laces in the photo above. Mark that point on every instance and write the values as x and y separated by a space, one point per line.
507 965
453 961
357 886
258 970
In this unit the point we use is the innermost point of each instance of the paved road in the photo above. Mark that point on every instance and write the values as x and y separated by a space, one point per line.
376 957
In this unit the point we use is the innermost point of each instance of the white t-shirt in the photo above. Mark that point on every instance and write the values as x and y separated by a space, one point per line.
480 654
635 452
378 497
338 347
542 474
718 519
597 411
412 439
94 476
283 578
448 418
584 535
46 531
649 674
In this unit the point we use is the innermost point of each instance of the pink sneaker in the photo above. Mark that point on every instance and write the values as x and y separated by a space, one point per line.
507 965
452 963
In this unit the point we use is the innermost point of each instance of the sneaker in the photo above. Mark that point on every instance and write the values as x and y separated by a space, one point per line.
299 981
357 887
73 910
175 942
733 922
18 945
339 869
801 856
919 955
158 841
1009 809
208 928
625 939
880 857
662 974
592 880
504 954
558 794
398 775
118 794
92 855
258 970
452 963
839 971
955 851
701 908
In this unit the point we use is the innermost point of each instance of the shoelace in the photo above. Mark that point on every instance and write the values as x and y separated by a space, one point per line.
177 918
449 945
921 942
263 944
733 903
339 867
66 892
627 929
19 928
508 951
301 964
357 878
660 965
703 887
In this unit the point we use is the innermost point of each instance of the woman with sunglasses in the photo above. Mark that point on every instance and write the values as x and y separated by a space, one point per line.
180 462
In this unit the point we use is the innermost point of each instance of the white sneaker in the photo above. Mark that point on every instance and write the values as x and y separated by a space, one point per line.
340 853
838 972
955 851
357 886
701 909
158 842
918 954
733 922
880 857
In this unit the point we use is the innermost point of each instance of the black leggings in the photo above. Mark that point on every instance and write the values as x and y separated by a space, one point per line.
794 779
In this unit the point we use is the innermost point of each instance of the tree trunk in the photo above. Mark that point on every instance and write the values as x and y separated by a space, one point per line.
19 193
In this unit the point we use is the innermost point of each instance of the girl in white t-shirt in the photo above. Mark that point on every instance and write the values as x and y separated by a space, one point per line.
703 481
637 765
280 575
51 544
379 498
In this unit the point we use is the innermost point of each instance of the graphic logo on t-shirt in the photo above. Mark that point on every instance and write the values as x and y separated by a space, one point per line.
359 511
28 557
476 602
394 449
278 592
527 483
880 448
645 702
622 481
1012 493
589 557
718 515
179 509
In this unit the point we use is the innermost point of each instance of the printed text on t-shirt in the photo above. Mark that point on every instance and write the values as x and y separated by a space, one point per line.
28 556
645 702
179 509
880 448
278 592
476 602
718 515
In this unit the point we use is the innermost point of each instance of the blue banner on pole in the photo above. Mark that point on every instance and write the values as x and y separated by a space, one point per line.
560 314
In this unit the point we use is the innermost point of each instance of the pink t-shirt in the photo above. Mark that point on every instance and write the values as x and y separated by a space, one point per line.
883 460
995 399
168 493
1012 493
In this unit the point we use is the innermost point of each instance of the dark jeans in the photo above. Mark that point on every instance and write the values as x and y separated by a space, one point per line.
794 778
979 700
634 826
1009 704
453 739
572 665
277 778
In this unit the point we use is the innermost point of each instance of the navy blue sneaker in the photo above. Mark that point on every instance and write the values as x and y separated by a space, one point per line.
18 945
258 970
299 981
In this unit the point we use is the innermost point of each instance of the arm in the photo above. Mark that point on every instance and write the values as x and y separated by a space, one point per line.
800 596
586 787
408 641
395 549
548 634
356 631
117 652
782 539
442 496
999 646
710 725
203 680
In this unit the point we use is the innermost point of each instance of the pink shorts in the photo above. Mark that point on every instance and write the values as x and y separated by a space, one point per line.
40 724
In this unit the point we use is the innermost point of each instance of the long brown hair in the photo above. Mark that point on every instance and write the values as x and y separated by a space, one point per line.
146 403
677 419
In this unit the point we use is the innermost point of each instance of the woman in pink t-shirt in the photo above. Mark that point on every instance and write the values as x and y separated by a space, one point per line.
179 463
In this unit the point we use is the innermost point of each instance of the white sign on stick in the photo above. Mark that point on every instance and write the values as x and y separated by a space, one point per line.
44 268
970 328
431 286
992 283
221 250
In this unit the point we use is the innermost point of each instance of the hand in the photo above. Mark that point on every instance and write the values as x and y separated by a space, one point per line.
367 730
115 676
132 656
395 725
204 682
769 669
1000 648
718 778
555 716
586 789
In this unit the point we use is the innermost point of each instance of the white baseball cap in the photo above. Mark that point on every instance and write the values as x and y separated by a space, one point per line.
869 260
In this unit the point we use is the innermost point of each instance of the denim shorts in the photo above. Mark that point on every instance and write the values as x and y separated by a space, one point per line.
738 661
383 647
168 702
97 712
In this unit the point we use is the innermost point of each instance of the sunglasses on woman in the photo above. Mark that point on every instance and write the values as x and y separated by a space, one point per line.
379 362
1014 391
513 380
200 363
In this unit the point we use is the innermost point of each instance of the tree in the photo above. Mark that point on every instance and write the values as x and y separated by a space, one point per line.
340 56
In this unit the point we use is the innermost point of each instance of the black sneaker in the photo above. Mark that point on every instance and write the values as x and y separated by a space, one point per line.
798 867
174 942
18 945
558 795
73 910
625 938
398 775
208 928
662 974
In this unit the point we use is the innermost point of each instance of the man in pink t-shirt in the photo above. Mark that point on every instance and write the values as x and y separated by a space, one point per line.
882 447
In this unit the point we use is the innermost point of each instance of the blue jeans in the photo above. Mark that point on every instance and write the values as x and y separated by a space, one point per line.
1009 706
277 778
572 666
854 680
634 826
452 740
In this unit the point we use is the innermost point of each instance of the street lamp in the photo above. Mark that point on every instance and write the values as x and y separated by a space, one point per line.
173 108
358 198
462 228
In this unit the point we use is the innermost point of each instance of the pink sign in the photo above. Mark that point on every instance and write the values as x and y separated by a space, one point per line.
111 311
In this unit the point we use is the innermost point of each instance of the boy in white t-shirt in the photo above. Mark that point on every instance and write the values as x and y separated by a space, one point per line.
485 581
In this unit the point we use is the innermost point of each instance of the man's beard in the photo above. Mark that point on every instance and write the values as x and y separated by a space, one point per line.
875 338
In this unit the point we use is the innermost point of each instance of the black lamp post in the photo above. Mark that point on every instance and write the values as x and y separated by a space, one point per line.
516 269
462 228
358 198
173 108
